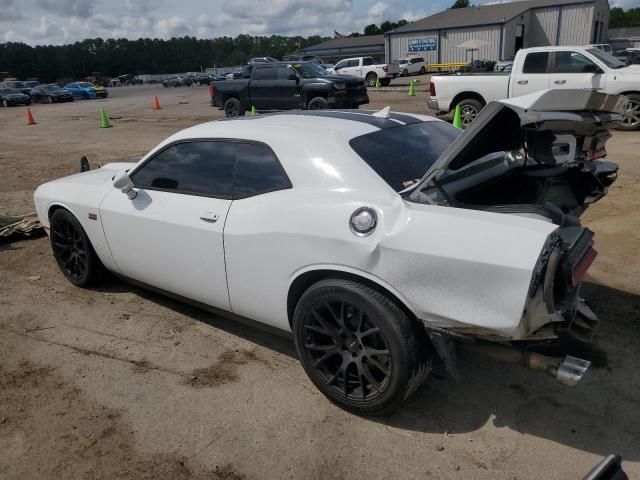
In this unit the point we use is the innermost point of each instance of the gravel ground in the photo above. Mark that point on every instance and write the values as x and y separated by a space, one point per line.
117 382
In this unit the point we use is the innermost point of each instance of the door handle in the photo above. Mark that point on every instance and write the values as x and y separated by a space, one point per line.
209 217
523 82
560 82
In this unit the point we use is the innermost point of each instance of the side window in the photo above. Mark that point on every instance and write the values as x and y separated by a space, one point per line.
286 73
340 64
571 62
264 73
536 62
198 168
258 171
366 61
419 60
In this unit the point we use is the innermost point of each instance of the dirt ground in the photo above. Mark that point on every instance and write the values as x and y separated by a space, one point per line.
117 382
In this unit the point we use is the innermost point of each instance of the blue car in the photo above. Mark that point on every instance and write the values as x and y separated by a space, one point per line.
85 90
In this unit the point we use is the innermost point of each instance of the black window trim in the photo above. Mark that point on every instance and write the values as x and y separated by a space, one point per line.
546 68
208 195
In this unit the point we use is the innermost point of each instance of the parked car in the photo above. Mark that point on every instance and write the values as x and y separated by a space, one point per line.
286 86
478 66
24 87
504 65
12 96
300 58
412 66
629 56
242 72
50 94
201 79
178 81
366 67
536 69
86 90
605 47
379 239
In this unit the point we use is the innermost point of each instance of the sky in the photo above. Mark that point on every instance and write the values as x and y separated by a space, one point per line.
39 22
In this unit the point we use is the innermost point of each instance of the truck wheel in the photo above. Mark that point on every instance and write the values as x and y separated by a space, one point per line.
631 116
358 347
73 250
371 79
469 109
233 108
317 103
385 82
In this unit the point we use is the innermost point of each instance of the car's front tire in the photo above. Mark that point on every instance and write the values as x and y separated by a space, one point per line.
318 103
358 347
631 117
73 250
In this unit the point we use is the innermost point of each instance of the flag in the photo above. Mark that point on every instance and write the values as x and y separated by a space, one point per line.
337 35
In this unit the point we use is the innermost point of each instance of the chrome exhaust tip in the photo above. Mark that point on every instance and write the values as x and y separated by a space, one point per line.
571 370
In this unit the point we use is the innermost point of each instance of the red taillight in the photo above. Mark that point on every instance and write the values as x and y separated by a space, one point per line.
211 89
595 154
432 89
583 265
385 68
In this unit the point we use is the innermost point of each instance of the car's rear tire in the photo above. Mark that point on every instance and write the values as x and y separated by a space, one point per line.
469 109
317 103
73 250
371 79
358 347
233 108
631 116
405 73
423 70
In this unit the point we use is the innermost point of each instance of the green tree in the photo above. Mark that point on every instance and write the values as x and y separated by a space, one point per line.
372 29
461 4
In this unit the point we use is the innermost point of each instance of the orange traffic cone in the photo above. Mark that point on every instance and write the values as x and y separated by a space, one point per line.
156 103
30 120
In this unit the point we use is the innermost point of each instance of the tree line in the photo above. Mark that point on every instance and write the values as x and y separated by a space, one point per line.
620 18
120 56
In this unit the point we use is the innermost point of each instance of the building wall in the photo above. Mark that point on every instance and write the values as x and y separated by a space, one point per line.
543 25
577 25
509 36
449 52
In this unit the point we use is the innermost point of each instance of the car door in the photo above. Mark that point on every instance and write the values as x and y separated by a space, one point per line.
533 76
573 70
263 87
288 87
170 235
73 89
352 67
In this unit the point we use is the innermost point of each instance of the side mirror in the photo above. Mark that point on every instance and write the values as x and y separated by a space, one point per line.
122 181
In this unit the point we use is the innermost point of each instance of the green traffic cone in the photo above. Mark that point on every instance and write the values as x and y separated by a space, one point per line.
104 119
253 111
457 118
377 82
412 93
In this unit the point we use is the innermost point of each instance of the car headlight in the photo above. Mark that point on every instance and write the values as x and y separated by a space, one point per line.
363 221
340 85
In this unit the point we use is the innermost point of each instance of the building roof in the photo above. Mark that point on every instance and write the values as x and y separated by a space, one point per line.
347 42
481 15
624 33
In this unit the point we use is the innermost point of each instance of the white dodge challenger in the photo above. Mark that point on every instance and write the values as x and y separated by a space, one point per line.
380 239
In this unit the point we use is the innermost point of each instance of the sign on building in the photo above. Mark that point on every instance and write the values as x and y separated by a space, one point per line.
423 44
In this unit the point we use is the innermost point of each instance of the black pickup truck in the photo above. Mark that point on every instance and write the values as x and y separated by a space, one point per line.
287 86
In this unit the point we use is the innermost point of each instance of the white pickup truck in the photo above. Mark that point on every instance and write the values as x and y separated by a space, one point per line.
367 68
537 69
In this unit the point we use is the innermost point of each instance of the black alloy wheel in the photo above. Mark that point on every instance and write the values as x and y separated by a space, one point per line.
348 351
358 347
72 249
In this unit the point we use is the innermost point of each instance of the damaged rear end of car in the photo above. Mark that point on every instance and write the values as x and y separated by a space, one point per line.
541 157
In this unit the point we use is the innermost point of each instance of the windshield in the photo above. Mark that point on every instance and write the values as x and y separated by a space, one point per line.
402 62
609 60
402 155
310 70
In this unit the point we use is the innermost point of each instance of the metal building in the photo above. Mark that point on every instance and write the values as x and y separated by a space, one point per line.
338 48
503 29
627 37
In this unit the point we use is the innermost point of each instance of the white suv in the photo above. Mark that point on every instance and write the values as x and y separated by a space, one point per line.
412 66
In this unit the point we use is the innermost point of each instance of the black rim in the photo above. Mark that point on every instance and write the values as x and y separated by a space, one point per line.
316 106
69 248
232 110
347 351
